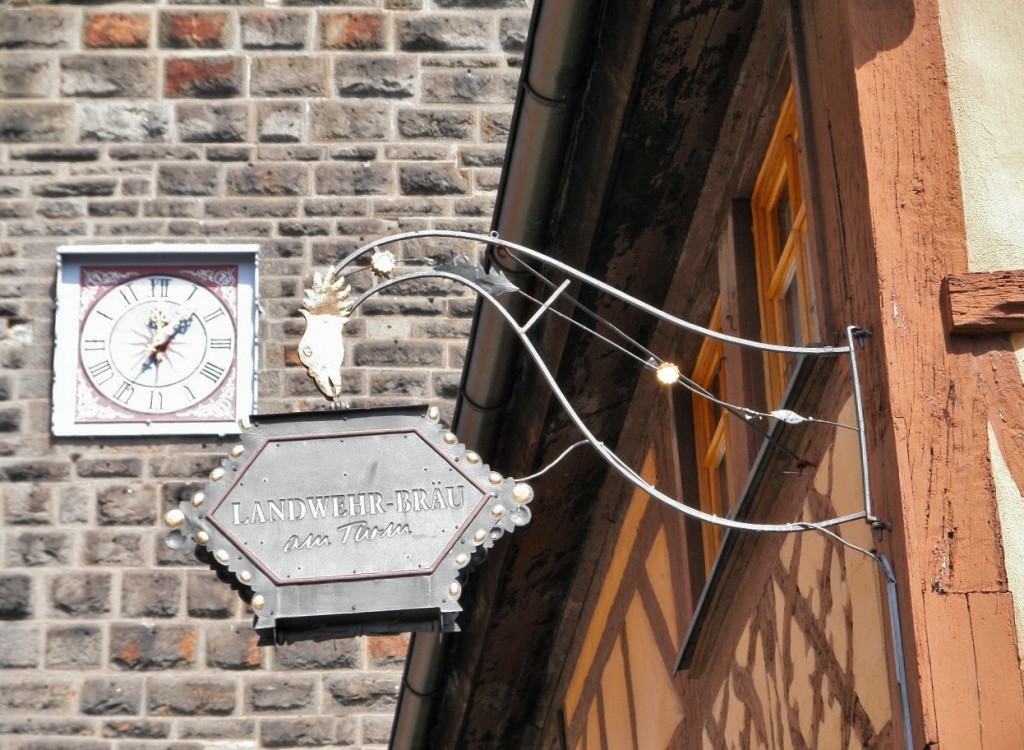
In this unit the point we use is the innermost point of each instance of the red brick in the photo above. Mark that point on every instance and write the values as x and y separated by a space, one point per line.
232 646
351 31
386 650
202 77
187 646
152 647
202 30
118 30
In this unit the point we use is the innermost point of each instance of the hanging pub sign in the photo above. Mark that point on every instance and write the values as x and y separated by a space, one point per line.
345 522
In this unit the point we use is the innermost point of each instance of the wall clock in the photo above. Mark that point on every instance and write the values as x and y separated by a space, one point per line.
154 339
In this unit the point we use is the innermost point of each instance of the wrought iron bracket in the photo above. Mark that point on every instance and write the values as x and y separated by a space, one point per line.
489 285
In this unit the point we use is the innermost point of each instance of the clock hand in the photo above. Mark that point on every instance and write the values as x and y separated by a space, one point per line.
158 318
163 336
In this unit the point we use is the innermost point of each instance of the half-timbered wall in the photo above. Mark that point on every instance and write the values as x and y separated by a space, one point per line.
792 645
794 649
982 60
802 663
891 127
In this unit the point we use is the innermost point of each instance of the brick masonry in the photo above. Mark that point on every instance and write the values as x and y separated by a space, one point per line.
308 129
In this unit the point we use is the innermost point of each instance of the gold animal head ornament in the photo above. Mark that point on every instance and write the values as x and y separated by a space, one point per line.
322 348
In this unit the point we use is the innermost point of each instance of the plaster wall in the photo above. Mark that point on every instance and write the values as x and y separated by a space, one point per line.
1011 518
984 68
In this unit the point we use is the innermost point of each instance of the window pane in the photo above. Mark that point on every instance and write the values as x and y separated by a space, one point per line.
724 496
780 248
794 319
715 388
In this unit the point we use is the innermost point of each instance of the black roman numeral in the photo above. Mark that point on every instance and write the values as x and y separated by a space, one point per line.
101 372
124 392
158 287
214 315
127 290
156 400
220 343
94 345
212 371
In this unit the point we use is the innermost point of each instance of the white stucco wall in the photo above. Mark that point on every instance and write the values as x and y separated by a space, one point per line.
1011 519
984 45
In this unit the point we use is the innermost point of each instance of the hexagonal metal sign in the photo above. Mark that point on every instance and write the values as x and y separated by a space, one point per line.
350 522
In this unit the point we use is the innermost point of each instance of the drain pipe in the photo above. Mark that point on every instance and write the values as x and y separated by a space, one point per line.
554 73
553 76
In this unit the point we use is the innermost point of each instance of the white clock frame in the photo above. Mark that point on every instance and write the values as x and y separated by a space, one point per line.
79 409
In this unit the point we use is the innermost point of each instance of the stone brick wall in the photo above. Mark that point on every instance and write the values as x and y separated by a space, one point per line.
308 129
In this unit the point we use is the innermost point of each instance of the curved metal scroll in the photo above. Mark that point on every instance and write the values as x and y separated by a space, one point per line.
488 284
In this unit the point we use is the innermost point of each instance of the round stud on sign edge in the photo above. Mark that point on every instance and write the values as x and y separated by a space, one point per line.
174 518
521 515
522 493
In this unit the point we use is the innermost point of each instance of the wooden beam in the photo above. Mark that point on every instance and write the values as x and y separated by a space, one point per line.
991 302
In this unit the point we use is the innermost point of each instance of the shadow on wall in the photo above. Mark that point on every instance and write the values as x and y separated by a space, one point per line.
892 22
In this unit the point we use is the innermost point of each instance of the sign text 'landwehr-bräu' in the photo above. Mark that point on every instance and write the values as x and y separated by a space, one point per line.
362 521
384 503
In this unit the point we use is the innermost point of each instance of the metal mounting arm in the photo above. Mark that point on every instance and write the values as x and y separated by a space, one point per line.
330 300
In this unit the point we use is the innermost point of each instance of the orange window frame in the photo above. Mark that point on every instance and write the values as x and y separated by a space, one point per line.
711 437
785 293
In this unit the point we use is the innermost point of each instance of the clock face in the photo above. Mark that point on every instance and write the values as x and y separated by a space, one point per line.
158 343
154 340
